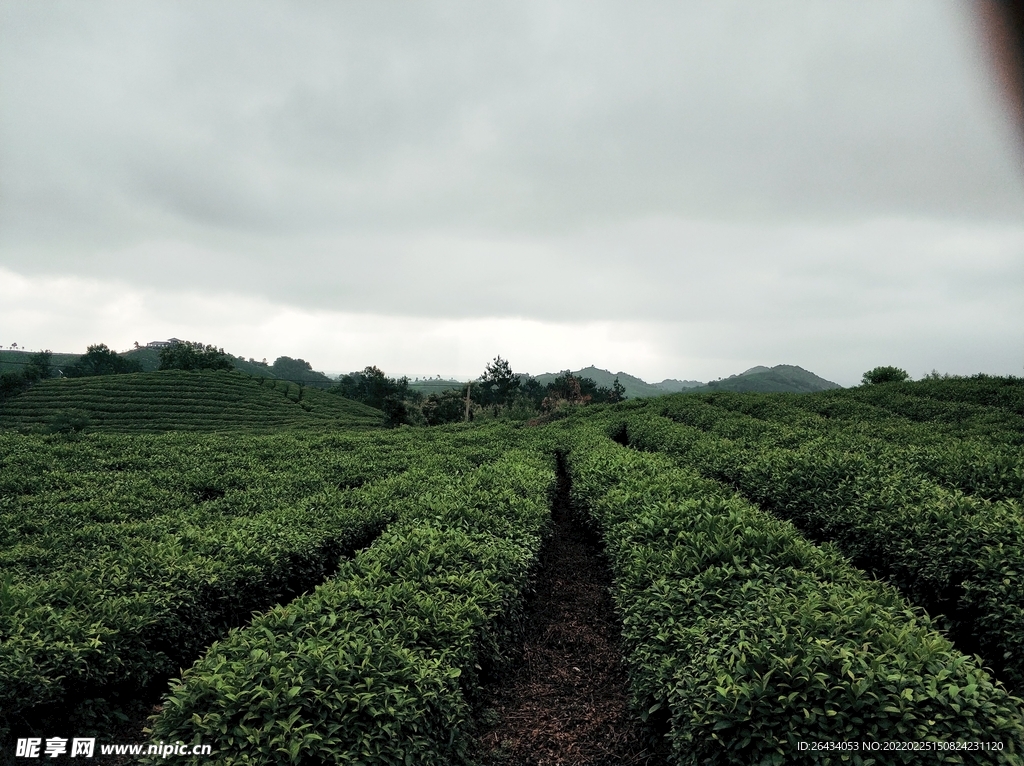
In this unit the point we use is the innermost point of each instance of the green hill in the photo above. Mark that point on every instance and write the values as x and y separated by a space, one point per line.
173 400
783 378
149 358
15 361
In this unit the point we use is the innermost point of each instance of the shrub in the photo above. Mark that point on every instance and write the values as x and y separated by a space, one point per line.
68 422
885 375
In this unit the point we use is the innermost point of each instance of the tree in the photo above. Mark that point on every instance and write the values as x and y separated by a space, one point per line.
568 390
396 411
936 375
617 393
100 360
884 375
190 355
372 387
286 365
498 385
38 367
11 384
532 390
299 371
605 395
445 407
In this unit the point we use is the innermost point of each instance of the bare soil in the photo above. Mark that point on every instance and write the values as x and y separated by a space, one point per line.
567 703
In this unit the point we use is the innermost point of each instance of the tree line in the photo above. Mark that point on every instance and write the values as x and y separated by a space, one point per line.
497 393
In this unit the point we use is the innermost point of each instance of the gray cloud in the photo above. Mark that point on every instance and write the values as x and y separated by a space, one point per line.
792 161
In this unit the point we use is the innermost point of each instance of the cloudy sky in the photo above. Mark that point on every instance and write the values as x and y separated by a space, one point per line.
671 189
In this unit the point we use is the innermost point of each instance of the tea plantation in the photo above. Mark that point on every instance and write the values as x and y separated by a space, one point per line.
181 401
817 578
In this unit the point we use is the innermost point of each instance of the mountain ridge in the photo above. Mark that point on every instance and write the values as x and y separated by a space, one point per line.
781 378
778 379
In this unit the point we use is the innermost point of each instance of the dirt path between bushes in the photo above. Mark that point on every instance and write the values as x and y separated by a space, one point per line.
566 702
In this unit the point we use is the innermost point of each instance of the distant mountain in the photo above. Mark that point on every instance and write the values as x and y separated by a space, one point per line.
673 386
635 388
783 378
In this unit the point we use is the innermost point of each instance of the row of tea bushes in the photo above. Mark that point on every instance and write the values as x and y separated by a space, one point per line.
750 640
977 451
992 473
380 664
1004 393
59 500
135 614
977 460
954 555
989 410
97 606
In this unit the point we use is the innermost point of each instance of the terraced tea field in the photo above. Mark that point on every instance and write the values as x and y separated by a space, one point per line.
183 401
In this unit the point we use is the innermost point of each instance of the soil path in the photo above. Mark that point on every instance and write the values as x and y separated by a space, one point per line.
566 703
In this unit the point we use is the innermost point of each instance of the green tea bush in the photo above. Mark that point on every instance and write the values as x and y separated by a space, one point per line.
961 446
133 616
124 557
954 555
1006 393
380 664
68 422
748 640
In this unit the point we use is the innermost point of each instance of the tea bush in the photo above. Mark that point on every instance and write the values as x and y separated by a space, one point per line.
750 640
127 557
378 665
956 556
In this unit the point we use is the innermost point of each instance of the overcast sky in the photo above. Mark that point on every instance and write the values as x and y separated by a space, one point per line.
675 190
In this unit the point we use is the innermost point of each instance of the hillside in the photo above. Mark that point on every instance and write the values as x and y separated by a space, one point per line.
149 358
783 378
173 400
15 361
